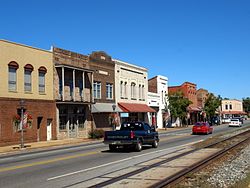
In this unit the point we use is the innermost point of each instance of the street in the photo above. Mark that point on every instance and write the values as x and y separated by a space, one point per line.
80 166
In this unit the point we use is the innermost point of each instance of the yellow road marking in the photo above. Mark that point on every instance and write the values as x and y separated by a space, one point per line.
47 161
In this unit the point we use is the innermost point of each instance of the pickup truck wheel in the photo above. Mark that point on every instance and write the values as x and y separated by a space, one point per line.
138 146
112 147
155 144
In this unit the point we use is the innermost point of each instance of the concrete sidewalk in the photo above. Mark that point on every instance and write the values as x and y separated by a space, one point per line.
65 142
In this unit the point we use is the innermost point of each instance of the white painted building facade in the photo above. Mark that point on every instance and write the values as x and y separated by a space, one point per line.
157 99
131 88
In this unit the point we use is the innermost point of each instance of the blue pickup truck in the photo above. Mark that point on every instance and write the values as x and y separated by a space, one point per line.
133 135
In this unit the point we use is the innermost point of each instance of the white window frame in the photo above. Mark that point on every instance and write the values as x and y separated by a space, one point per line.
41 83
133 90
140 91
109 91
97 91
27 80
121 89
143 92
12 83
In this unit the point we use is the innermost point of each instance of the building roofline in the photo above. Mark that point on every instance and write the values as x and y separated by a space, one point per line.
159 76
232 100
173 86
129 64
189 83
23 45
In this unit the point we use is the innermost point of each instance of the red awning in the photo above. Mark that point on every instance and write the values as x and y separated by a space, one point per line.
234 112
132 107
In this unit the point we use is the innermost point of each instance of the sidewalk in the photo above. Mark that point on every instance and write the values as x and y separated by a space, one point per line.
53 143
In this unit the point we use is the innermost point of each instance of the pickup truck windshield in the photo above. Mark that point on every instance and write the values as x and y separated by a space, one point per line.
132 126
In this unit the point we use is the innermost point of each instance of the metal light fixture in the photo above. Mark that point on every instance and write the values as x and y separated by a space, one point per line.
114 107
22 103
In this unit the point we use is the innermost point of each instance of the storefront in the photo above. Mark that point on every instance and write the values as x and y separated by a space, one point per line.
135 112
106 115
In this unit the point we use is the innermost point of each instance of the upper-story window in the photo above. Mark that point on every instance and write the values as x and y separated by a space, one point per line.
97 90
140 91
41 75
125 90
109 91
12 81
230 106
143 92
133 94
226 106
121 89
162 97
27 77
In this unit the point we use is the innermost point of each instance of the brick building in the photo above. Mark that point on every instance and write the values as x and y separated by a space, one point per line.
189 91
104 109
73 81
202 95
28 85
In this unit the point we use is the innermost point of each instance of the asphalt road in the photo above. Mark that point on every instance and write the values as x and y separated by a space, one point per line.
77 166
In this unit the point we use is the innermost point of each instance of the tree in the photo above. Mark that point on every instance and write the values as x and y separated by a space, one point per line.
246 104
178 106
211 105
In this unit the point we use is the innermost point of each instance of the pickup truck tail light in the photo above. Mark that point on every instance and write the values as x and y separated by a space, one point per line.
132 134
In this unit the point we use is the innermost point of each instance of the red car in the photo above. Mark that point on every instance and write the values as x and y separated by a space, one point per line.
202 127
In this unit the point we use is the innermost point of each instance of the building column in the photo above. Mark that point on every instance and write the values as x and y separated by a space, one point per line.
62 83
83 85
74 85
92 86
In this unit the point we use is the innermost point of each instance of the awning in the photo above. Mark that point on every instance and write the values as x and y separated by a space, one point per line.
133 107
234 112
104 107
194 109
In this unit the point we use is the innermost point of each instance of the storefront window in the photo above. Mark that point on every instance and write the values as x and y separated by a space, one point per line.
63 123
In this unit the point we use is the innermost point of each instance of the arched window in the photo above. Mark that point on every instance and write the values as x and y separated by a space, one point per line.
125 90
41 81
140 91
121 89
12 81
133 91
28 68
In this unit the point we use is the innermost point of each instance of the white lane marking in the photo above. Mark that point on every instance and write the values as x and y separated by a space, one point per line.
122 160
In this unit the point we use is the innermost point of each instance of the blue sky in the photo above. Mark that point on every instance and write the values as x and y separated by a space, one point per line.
206 42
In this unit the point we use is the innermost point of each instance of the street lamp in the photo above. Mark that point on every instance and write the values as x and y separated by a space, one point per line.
21 123
113 122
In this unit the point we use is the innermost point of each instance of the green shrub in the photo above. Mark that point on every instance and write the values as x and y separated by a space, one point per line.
96 133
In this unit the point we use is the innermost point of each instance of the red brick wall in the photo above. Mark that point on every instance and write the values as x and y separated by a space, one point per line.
37 108
97 63
189 91
152 85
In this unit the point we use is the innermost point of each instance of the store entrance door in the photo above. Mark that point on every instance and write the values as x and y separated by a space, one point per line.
73 126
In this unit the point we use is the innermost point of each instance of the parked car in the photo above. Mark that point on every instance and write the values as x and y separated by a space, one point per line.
226 120
235 123
132 135
216 120
202 128
241 119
